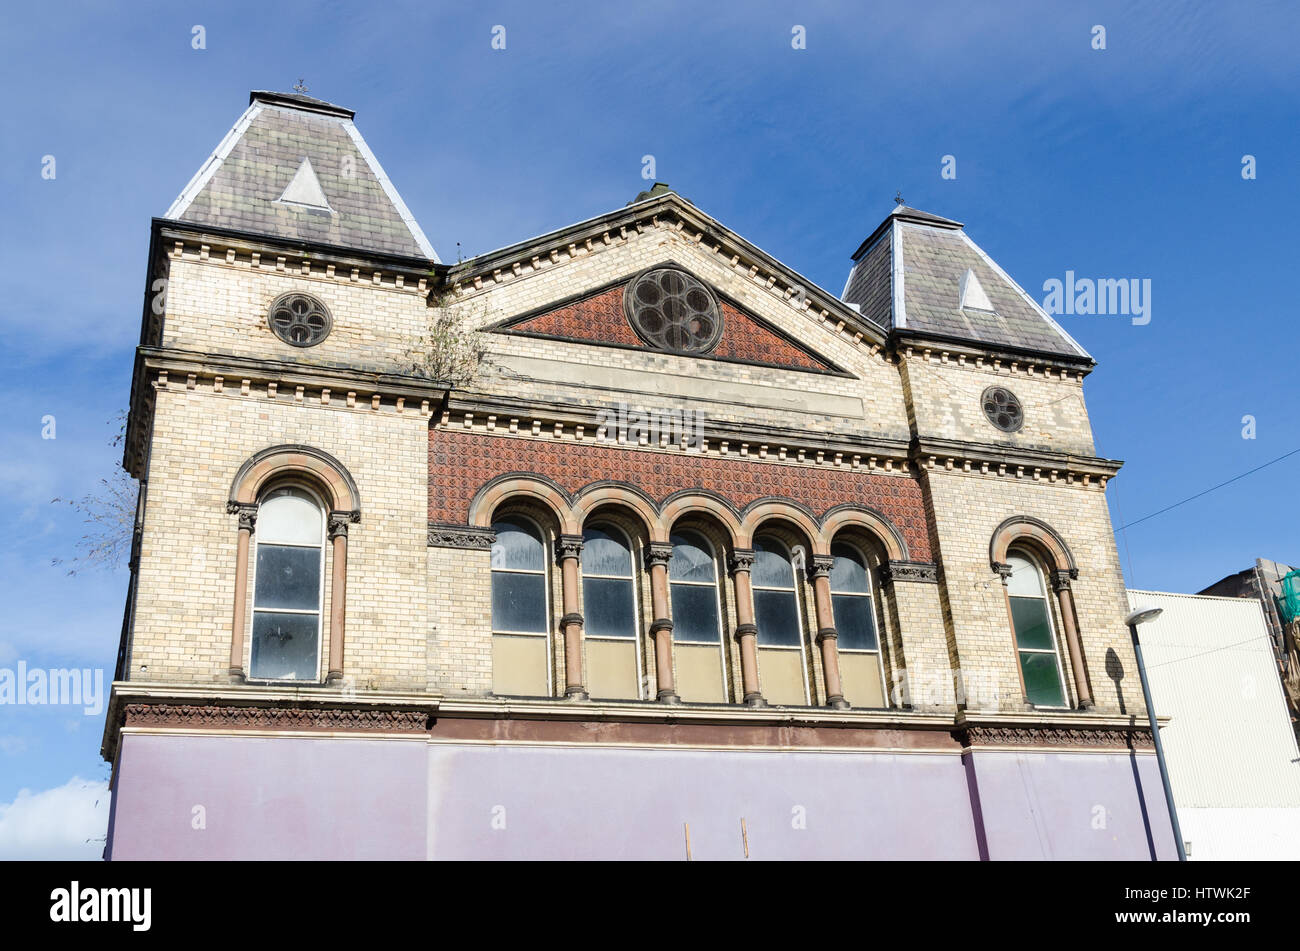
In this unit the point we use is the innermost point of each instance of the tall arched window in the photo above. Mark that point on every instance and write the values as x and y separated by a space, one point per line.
521 656
697 619
1036 645
288 586
609 607
782 670
855 621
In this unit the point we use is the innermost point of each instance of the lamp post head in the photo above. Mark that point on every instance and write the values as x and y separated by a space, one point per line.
1142 615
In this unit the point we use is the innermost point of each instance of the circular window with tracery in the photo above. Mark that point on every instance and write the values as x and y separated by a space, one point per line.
299 319
1003 409
672 310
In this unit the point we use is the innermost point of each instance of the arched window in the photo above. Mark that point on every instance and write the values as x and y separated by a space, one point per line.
609 607
521 656
855 621
1031 619
782 670
288 585
697 619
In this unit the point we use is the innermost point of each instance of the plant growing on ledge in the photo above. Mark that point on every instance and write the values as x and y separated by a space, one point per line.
450 350
110 512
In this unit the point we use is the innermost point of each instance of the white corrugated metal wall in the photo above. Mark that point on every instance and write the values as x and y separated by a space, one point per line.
1232 755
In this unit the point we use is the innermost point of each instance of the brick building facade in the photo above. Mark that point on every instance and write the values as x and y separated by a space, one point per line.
698 547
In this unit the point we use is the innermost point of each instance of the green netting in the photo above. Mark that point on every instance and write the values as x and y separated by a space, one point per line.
1289 603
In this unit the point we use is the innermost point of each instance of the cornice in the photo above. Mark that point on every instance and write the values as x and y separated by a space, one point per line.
929 453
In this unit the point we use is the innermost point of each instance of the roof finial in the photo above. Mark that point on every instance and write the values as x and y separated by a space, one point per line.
898 198
300 86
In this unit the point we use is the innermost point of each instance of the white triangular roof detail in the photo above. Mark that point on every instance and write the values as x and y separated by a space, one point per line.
1024 295
304 188
973 296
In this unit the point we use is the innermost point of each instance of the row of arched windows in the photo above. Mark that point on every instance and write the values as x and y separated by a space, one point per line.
613 616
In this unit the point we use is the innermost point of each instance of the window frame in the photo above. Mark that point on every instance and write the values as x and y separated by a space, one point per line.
1037 565
870 596
800 612
634 582
716 585
318 501
546 594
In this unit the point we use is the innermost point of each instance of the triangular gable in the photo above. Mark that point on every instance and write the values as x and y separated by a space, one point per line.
598 318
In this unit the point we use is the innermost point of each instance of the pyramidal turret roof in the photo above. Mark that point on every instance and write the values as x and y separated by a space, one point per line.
296 167
921 273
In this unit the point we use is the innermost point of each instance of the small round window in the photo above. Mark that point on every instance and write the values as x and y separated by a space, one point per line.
671 310
1003 409
299 320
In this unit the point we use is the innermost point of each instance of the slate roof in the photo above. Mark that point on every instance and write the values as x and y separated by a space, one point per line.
240 185
907 277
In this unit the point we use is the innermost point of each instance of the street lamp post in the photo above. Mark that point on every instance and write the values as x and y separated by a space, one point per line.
1141 616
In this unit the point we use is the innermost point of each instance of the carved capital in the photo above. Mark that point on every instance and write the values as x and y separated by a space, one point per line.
1002 571
338 525
1061 578
740 559
568 546
658 553
922 571
247 512
820 567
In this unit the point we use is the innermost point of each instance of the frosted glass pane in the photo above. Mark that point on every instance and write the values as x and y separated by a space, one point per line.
284 646
607 608
605 553
289 517
777 618
771 565
855 622
1025 581
691 560
518 546
287 577
519 602
849 572
695 614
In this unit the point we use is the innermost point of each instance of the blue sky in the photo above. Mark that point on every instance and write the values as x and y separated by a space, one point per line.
1123 162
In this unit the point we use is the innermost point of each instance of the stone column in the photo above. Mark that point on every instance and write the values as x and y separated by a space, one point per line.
338 534
1061 579
569 550
657 557
740 564
827 635
247 513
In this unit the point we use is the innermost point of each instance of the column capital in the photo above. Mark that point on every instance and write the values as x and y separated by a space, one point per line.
247 512
338 525
1002 571
568 546
658 553
1061 578
820 566
740 559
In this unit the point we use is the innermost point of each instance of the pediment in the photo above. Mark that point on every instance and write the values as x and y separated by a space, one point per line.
668 309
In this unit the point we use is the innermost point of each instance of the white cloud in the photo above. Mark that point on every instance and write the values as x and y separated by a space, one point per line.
67 822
